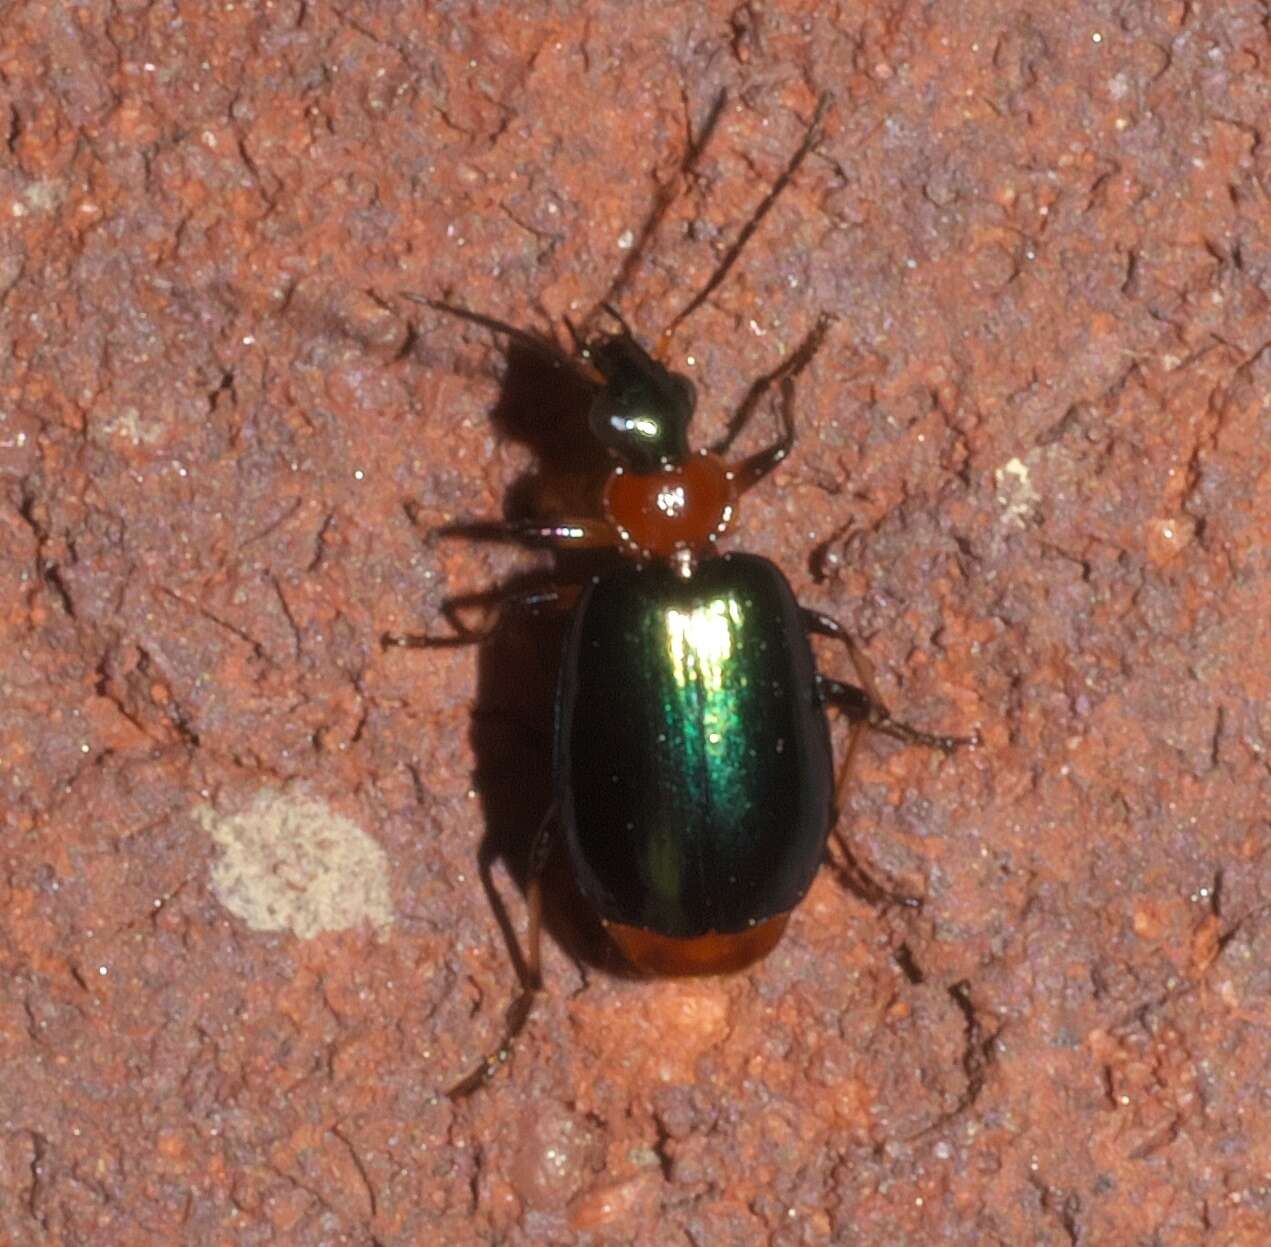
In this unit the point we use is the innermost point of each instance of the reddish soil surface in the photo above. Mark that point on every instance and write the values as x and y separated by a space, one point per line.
244 941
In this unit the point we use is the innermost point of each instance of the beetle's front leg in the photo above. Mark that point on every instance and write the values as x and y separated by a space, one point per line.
750 471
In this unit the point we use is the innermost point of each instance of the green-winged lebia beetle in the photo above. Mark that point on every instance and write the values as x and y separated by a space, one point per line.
694 779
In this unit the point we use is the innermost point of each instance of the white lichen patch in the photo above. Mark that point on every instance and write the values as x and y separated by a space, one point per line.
1015 493
290 863
43 196
127 422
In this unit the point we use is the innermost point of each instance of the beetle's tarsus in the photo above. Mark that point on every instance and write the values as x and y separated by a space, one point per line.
518 1015
881 721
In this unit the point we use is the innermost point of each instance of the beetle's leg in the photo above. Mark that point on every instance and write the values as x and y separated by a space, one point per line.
864 708
495 603
857 707
753 469
530 970
563 534
872 711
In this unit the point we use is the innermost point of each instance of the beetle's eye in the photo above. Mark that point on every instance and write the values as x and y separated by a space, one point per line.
685 391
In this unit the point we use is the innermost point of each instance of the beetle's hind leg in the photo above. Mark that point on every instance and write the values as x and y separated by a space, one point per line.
529 967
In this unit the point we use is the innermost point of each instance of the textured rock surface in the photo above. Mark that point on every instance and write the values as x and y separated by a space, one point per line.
1032 477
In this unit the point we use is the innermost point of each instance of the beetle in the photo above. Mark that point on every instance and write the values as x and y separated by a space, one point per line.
694 781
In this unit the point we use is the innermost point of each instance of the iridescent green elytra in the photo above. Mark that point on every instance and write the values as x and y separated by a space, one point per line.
693 754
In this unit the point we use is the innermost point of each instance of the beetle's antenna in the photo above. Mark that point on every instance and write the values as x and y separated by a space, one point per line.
541 347
610 310
747 231
665 198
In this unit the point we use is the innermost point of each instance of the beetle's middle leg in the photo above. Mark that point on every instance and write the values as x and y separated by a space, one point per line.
494 605
568 534
864 706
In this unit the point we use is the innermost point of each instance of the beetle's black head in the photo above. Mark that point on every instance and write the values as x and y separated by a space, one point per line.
642 413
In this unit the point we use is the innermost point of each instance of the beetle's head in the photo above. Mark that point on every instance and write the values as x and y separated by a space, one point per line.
642 411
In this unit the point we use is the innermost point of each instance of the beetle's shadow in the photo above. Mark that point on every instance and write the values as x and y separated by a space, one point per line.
543 407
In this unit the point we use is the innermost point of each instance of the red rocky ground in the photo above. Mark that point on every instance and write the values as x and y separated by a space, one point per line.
243 939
